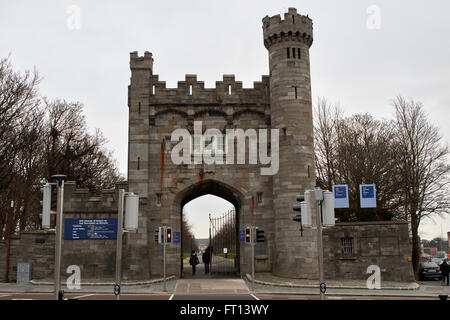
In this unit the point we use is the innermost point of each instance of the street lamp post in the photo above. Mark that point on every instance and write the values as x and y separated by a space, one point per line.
119 241
60 178
320 247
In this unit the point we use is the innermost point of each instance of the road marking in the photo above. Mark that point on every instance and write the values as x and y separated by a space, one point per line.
256 298
171 297
5 295
84 296
21 299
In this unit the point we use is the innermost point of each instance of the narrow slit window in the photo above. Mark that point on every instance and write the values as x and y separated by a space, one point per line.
293 53
229 89
139 108
298 51
139 163
259 198
190 90
295 88
158 199
153 89
288 53
293 19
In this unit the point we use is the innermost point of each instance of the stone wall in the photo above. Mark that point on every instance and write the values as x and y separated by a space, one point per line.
384 244
35 247
374 243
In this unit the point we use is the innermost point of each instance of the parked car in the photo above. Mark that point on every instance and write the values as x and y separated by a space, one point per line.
429 270
438 261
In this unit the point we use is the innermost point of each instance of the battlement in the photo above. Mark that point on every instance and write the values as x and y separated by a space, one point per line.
294 27
193 92
142 63
78 200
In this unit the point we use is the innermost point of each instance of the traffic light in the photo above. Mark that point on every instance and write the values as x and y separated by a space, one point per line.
131 211
248 235
46 205
259 235
158 235
169 235
328 219
304 208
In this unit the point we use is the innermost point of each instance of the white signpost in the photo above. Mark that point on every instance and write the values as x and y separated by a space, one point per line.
340 193
367 196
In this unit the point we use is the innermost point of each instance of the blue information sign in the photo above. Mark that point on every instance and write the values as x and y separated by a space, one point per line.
75 229
340 196
242 235
176 237
367 196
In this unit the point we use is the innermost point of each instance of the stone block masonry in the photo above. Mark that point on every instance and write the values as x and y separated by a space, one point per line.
281 101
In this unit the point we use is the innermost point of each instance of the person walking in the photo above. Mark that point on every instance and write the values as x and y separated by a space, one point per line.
193 261
445 269
206 258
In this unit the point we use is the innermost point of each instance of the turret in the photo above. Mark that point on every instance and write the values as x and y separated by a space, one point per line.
288 41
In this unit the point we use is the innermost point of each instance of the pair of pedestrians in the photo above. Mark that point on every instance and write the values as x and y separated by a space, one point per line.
206 257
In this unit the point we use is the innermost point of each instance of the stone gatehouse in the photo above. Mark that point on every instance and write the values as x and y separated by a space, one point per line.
282 101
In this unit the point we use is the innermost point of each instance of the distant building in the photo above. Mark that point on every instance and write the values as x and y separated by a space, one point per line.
430 251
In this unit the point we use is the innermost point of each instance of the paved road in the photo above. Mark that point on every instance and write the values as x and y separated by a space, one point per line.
229 297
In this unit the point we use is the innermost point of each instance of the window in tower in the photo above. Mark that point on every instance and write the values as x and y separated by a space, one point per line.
288 52
153 89
139 108
190 90
158 199
293 53
259 198
229 89
298 51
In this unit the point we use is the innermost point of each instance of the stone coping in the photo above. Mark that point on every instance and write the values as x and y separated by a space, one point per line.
98 283
268 279
366 223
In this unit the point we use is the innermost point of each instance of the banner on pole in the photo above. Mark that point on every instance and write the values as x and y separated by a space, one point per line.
340 196
368 196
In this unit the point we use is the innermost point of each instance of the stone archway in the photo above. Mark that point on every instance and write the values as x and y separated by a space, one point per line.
219 189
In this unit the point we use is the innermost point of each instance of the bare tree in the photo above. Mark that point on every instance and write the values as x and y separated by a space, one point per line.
422 164
356 150
71 150
188 237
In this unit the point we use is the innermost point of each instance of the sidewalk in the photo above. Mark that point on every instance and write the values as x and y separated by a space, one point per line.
93 286
268 283
264 283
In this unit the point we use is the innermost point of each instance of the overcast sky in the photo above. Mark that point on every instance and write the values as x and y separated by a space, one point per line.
357 60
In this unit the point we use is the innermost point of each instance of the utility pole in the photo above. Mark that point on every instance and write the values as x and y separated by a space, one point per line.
119 242
164 228
8 246
320 246
253 229
131 207
60 178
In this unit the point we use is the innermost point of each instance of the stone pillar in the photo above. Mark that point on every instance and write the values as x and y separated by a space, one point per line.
288 41
136 250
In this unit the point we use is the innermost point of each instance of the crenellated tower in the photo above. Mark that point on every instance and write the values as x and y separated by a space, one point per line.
288 41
